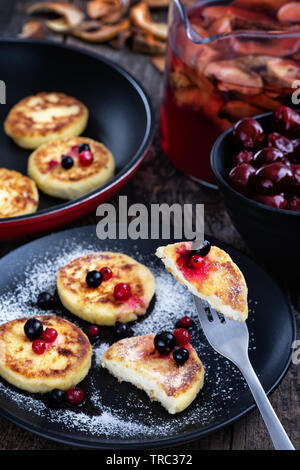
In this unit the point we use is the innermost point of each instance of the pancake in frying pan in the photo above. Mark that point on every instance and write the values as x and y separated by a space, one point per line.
18 194
39 118
45 167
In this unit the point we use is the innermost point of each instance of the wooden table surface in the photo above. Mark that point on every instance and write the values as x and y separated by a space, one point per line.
157 181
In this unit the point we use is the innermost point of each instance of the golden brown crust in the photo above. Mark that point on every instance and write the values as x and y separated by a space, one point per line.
98 305
218 280
174 379
67 353
21 122
18 194
72 282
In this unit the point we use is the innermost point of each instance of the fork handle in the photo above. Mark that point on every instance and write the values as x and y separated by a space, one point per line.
277 433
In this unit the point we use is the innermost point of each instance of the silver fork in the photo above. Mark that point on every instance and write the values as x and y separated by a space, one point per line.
231 339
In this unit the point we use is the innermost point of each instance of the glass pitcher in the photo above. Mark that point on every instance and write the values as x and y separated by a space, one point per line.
225 60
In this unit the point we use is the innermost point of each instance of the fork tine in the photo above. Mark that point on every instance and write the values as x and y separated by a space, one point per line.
203 315
215 315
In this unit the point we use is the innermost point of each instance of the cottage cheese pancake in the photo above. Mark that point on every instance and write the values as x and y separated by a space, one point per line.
104 305
40 118
63 365
136 360
18 194
46 167
218 279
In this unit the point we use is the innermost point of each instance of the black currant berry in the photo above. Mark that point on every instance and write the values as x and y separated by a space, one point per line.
33 329
165 342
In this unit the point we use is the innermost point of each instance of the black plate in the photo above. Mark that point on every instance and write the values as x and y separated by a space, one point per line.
120 416
120 113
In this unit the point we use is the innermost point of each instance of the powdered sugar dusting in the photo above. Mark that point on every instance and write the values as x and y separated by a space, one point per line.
99 352
113 410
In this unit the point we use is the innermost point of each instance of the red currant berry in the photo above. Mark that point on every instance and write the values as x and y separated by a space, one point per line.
196 261
182 336
106 273
122 291
74 396
86 158
49 335
93 330
39 346
186 322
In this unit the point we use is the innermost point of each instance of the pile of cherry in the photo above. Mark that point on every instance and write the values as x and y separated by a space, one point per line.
266 167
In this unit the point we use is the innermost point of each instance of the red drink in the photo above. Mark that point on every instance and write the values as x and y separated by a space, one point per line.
211 85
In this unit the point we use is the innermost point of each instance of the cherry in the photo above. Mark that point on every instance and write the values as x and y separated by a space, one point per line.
93 330
277 200
74 396
106 273
286 162
280 142
248 134
49 335
295 156
294 203
287 122
266 156
39 346
244 156
272 178
186 322
122 291
182 336
296 177
86 158
240 176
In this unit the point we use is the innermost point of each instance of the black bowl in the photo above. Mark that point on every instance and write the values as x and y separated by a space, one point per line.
272 234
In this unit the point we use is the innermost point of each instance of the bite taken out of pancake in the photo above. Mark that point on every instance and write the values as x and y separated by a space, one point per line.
99 304
46 169
39 118
64 364
217 280
18 194
136 360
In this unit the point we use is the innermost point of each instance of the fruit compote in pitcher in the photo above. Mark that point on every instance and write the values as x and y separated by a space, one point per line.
225 61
